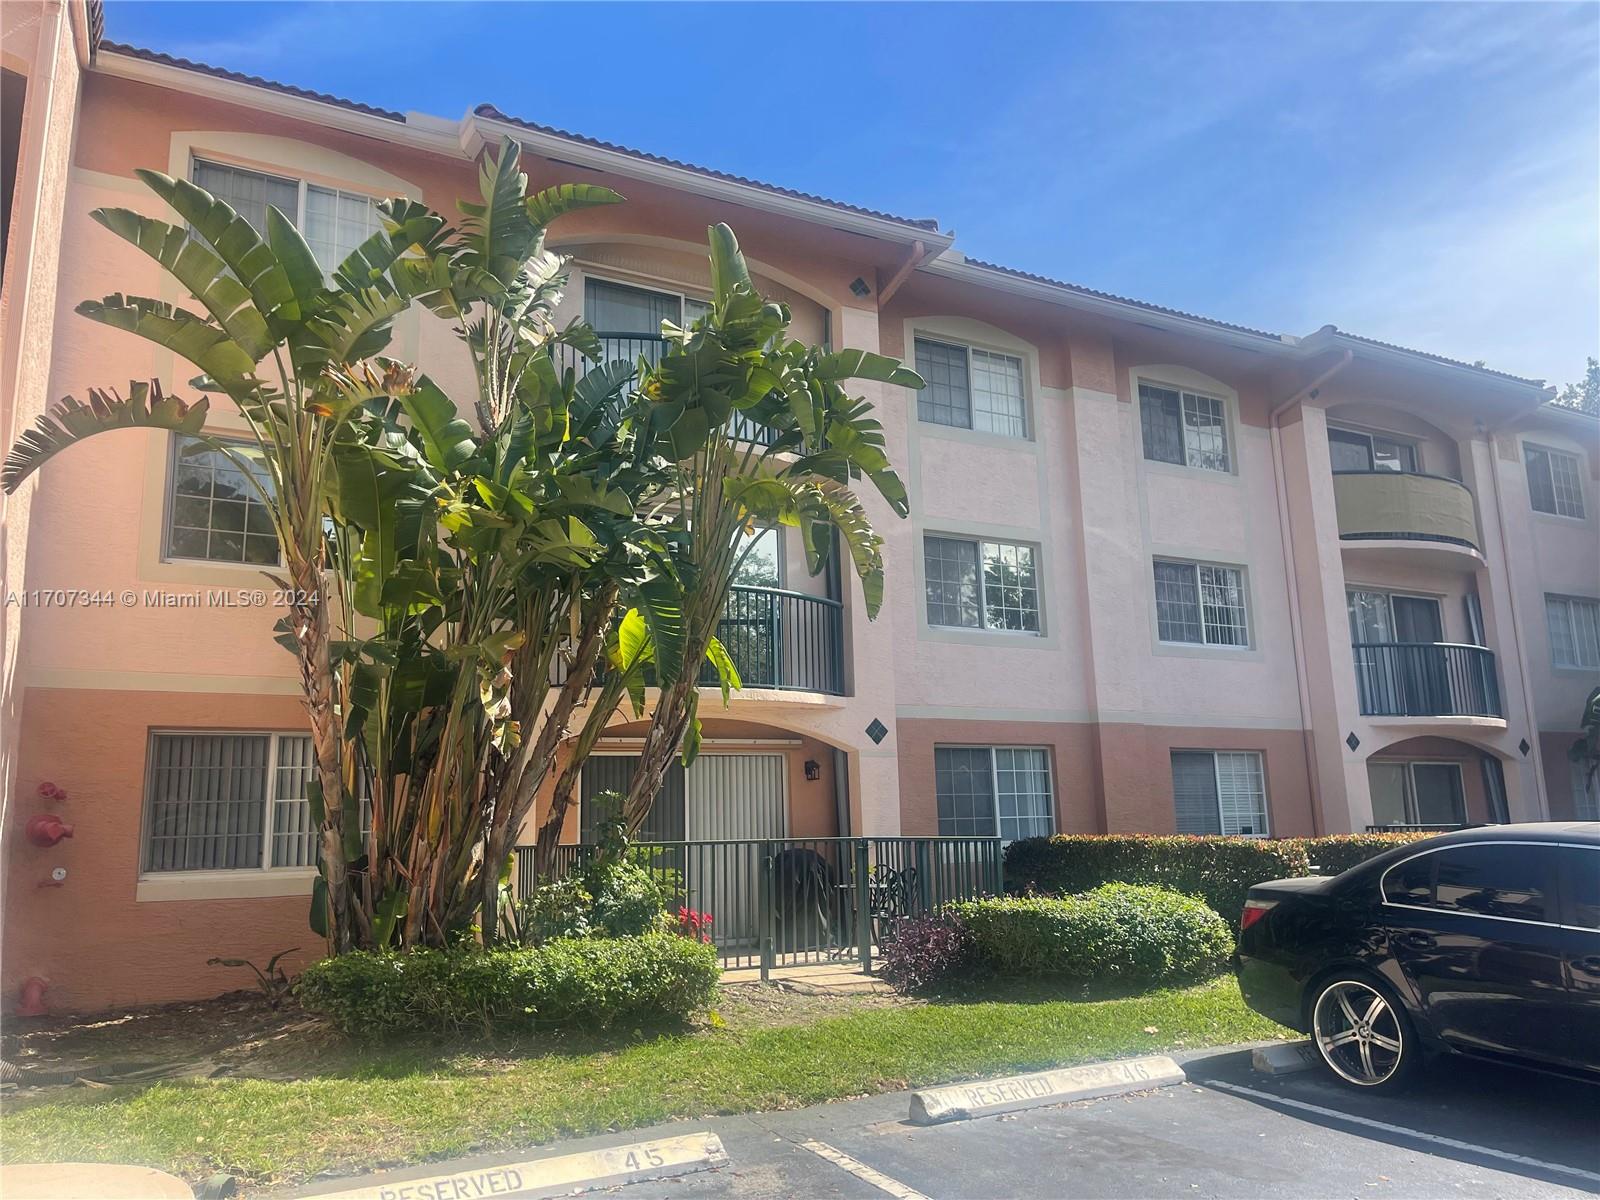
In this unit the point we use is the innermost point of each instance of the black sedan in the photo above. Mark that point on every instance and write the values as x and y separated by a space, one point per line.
1483 942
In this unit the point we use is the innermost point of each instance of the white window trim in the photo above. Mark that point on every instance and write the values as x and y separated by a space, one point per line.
1210 391
266 868
1578 464
1570 601
1216 774
968 346
994 781
1410 797
169 494
1248 645
983 627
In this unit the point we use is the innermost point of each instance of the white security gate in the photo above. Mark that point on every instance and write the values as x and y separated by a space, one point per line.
734 797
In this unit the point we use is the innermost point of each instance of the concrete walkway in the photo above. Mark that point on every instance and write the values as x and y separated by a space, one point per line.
842 978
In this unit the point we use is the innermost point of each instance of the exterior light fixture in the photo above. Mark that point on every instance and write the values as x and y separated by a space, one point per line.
859 286
813 769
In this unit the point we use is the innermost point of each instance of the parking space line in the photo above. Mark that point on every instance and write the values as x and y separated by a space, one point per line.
1437 1139
862 1172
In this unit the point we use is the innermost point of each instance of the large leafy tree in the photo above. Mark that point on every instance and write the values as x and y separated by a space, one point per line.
735 374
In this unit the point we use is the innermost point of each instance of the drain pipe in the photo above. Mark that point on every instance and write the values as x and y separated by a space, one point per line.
1292 581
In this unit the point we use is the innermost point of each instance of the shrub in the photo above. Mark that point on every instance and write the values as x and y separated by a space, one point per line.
1339 852
592 982
1117 931
626 900
1219 870
927 953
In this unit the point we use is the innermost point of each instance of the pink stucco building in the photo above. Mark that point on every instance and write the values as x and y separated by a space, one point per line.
1162 572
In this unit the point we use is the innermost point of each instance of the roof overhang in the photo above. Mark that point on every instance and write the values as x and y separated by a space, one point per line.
433 134
956 267
480 130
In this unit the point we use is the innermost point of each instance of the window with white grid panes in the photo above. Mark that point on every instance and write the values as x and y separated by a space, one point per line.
1184 428
972 583
970 388
334 222
1200 604
988 791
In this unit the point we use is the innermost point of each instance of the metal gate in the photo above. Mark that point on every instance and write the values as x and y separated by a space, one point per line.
789 901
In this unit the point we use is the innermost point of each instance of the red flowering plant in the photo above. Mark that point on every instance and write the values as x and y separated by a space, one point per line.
49 791
694 925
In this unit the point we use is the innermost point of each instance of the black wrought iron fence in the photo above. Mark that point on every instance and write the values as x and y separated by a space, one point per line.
790 901
1426 679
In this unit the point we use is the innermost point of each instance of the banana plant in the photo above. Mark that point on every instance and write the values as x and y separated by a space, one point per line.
292 351
738 362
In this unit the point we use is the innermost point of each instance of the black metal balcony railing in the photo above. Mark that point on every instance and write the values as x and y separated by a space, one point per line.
1426 679
630 348
781 639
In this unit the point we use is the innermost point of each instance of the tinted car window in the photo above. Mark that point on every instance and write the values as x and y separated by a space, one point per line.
1582 871
1496 881
1411 882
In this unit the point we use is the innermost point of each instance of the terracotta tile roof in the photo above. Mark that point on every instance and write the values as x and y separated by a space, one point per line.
1439 358
287 89
927 224
1157 308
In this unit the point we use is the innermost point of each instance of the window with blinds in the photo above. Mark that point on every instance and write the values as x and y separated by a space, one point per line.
1219 792
334 222
988 791
1574 625
1200 604
230 801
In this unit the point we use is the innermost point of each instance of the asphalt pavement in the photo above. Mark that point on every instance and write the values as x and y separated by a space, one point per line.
1467 1130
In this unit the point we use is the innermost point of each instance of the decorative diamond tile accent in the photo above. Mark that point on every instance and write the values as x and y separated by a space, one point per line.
877 731
1353 742
1524 747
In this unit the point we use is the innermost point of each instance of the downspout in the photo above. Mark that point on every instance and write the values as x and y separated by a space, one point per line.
1541 791
1280 486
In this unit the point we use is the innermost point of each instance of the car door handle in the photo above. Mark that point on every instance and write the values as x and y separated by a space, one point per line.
1419 941
1589 962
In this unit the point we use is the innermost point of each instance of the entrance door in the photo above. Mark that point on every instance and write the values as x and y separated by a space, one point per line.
740 798
1424 680
1417 619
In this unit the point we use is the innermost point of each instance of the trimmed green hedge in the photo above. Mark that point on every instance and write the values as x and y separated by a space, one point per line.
1339 852
593 982
1119 931
1219 870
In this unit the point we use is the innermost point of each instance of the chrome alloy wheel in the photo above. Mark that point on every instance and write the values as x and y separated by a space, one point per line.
1357 1033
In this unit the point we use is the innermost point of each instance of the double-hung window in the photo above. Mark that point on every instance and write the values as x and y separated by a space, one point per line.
1574 631
970 388
229 801
989 791
1200 604
1219 791
214 511
974 584
1555 481
1189 429
334 222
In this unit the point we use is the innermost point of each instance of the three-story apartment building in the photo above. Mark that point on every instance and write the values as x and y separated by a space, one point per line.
1162 573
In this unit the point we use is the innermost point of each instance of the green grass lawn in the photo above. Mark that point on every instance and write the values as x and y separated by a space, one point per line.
364 1107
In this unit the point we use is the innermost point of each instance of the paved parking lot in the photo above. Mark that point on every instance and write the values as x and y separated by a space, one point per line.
1467 1131
1230 1133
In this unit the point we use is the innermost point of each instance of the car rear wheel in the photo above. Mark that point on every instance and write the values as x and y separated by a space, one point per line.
1362 1035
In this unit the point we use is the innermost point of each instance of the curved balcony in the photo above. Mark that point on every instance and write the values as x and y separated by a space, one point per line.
1395 505
1425 679
790 641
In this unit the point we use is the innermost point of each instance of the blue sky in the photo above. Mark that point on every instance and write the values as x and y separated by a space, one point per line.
1425 174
